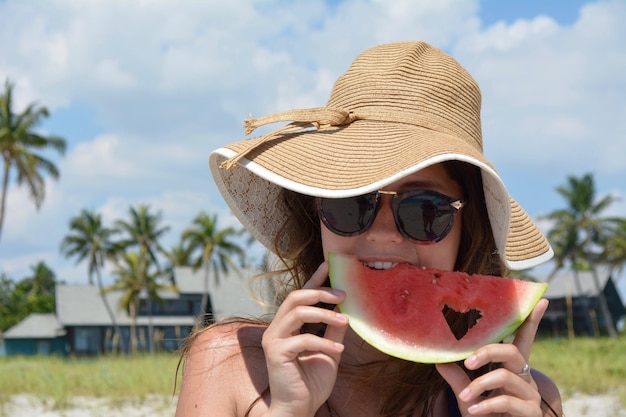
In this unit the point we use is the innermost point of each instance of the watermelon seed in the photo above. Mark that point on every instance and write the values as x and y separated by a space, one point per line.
460 323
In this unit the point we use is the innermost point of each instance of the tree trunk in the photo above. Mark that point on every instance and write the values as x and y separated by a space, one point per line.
5 186
133 327
150 325
205 298
109 310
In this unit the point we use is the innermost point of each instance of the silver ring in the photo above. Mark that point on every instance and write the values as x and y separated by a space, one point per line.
525 370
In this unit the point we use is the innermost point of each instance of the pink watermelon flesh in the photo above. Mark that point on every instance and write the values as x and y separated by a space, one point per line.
400 311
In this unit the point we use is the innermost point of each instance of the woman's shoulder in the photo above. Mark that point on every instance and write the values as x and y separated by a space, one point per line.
549 391
224 369
229 337
230 345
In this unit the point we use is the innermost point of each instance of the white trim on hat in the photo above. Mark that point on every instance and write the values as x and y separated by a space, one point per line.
530 263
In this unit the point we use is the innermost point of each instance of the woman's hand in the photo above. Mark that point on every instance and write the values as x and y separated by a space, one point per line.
302 367
512 392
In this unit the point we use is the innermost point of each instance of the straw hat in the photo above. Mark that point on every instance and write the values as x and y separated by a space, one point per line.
399 108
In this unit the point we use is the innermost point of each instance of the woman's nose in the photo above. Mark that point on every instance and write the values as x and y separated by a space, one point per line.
384 227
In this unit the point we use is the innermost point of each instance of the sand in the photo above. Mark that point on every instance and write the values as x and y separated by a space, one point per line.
29 406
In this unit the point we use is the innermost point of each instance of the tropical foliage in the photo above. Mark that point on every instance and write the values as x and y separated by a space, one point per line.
212 248
90 241
19 147
143 231
583 237
134 250
615 247
137 276
33 294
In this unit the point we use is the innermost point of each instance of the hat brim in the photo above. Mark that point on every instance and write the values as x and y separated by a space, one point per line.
350 160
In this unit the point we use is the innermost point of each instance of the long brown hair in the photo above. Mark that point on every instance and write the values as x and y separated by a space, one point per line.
408 386
405 387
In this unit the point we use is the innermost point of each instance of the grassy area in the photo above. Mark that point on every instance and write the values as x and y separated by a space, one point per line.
587 365
118 378
590 366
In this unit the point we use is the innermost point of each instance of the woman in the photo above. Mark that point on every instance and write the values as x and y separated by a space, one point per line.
401 128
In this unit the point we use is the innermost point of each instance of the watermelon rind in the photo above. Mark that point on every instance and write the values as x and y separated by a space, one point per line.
343 267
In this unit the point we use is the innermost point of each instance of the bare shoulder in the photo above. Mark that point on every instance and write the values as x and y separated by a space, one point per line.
227 339
549 391
224 370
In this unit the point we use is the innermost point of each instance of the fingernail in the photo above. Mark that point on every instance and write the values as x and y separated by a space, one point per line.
471 360
473 408
341 317
464 395
337 292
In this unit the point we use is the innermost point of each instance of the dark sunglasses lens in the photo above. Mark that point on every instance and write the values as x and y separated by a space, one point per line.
425 218
348 216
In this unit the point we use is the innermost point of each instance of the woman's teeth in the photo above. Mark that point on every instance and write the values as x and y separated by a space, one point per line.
380 265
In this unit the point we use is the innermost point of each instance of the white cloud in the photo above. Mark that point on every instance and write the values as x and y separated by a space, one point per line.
21 213
18 267
503 37
108 73
564 127
550 91
167 83
19 209
102 157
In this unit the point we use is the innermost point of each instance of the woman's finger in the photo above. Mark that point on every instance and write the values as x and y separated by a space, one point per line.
290 321
507 354
303 345
525 335
309 297
454 375
506 404
319 276
336 333
502 380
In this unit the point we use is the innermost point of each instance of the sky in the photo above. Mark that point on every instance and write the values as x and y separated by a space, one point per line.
143 91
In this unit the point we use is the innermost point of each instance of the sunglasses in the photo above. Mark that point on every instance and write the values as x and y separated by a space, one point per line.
421 215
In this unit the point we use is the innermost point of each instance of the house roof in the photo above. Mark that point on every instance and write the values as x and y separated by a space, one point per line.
189 281
36 326
564 284
230 296
82 305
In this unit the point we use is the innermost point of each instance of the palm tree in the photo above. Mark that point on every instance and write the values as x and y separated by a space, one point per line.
135 277
38 289
564 237
579 232
615 247
41 282
90 240
212 248
179 255
18 141
144 231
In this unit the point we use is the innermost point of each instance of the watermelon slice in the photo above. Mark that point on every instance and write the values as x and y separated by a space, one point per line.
400 311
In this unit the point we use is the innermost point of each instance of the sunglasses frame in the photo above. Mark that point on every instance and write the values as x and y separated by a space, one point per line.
454 204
